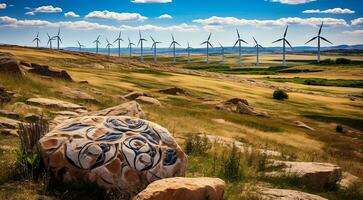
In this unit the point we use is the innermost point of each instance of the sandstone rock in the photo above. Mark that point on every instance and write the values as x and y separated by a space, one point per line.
183 189
132 109
23 106
245 109
303 125
32 118
8 123
9 114
44 70
66 113
148 100
12 132
175 91
54 103
313 174
240 106
8 64
25 64
283 194
235 101
116 153
4 95
134 95
77 94
348 180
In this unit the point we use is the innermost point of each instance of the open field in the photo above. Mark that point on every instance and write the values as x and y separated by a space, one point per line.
321 107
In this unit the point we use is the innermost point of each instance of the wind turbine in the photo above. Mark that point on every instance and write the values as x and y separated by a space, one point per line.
173 43
284 42
58 38
239 42
188 50
97 41
154 47
222 53
208 44
80 46
36 39
50 39
108 47
130 46
119 39
258 46
141 41
319 38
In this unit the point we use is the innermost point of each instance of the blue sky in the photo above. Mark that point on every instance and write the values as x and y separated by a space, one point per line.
189 20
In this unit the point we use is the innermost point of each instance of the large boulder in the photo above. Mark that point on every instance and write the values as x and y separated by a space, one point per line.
134 95
240 106
148 100
4 95
132 109
348 180
9 65
53 103
312 174
283 194
7 123
44 70
183 189
123 153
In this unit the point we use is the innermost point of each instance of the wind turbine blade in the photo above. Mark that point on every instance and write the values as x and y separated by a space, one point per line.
140 34
152 39
288 43
235 44
220 45
278 40
244 41
210 44
238 34
171 44
312 39
210 35
58 32
177 43
321 27
326 40
203 43
287 27
139 42
255 40
172 37
261 46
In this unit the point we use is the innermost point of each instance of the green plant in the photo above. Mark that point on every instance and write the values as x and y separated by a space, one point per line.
280 95
343 61
197 145
231 169
339 128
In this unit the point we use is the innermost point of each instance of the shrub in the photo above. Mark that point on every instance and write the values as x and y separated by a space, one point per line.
231 169
339 128
197 145
343 61
280 95
326 61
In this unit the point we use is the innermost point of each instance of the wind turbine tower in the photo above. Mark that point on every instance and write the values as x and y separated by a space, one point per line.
239 42
188 50
319 41
172 44
258 46
108 47
36 39
284 42
50 39
97 41
141 41
130 46
119 39
80 46
208 44
222 53
58 38
154 47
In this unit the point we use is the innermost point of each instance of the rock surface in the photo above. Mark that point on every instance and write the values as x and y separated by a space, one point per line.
348 180
175 91
32 118
44 70
239 105
148 100
7 123
77 94
282 194
132 109
4 95
9 65
53 103
184 189
303 125
116 153
312 174
9 114
134 95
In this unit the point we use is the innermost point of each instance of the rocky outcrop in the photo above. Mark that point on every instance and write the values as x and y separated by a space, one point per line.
44 70
348 180
77 94
32 118
7 123
134 95
4 95
116 153
23 106
9 65
283 194
235 101
9 114
132 109
239 105
148 100
53 103
303 125
183 189
313 174
175 91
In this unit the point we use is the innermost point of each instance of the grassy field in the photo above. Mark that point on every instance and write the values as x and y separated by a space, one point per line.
321 107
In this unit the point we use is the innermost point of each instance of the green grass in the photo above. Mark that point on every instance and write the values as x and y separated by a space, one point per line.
320 82
352 122
239 70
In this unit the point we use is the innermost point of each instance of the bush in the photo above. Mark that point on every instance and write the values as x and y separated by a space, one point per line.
326 61
280 95
231 169
343 61
197 145
339 128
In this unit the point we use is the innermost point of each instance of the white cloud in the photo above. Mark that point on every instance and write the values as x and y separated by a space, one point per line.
151 1
354 33
47 9
357 22
293 2
331 11
267 23
165 16
179 28
213 28
116 16
2 5
70 14
30 13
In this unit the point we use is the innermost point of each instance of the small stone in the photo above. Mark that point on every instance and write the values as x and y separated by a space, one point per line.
148 100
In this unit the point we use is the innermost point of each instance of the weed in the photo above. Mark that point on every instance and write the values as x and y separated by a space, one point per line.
280 95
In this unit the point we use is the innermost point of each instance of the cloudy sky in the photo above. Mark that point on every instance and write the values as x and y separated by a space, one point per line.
189 20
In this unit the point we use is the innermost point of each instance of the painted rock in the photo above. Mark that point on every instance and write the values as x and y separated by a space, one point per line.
116 153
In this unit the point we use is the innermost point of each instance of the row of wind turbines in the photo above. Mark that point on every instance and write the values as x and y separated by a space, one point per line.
174 43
